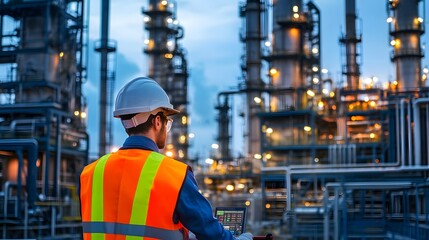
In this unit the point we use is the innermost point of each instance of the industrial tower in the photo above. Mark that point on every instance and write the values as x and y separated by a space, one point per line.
167 65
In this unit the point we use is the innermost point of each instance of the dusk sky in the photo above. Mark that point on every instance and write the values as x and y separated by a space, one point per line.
214 50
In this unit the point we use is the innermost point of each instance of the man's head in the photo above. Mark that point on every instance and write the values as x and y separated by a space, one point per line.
143 107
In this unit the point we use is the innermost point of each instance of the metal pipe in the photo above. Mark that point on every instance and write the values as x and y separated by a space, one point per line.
417 129
398 134
336 222
402 127
103 76
326 210
410 139
31 146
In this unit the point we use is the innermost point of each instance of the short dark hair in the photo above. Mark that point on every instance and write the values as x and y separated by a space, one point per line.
144 127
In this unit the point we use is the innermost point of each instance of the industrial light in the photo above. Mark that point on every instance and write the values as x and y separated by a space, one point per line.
320 104
366 98
420 20
169 153
206 194
307 204
395 82
257 156
316 160
325 91
372 135
164 2
170 43
182 139
307 128
389 19
393 42
331 94
257 100
169 20
324 70
181 154
230 187
184 120
247 203
251 190
310 93
315 80
240 186
176 22
267 205
209 161
83 114
268 44
208 181
268 156
273 71
146 19
373 104
61 54
191 135
425 70
76 113
315 69
269 130
295 8
315 50
296 15
146 41
215 146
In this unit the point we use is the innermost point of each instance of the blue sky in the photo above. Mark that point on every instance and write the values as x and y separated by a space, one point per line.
214 50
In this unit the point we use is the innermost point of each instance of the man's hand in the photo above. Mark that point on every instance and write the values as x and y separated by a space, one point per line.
245 236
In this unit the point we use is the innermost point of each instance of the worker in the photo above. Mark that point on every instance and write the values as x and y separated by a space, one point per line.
137 191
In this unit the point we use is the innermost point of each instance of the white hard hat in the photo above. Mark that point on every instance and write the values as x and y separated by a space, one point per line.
142 96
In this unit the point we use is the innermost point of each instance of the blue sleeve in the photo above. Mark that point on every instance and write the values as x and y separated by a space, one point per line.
195 213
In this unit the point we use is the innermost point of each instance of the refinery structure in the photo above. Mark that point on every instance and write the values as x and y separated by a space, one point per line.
324 158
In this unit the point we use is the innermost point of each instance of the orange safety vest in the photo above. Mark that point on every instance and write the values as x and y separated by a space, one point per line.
132 194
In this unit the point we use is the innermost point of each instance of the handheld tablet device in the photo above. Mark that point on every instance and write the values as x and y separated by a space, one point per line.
232 218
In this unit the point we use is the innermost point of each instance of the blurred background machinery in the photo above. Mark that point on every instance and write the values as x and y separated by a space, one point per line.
325 158
43 139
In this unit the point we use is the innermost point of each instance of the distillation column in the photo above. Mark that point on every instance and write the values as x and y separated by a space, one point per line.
287 52
406 27
167 65
252 11
160 33
351 68
350 41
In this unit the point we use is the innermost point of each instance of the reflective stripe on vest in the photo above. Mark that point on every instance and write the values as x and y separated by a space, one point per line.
130 229
102 220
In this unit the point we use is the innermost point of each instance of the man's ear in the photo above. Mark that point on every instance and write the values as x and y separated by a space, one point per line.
157 122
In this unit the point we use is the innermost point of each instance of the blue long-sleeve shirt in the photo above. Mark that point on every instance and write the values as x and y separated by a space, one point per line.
192 210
